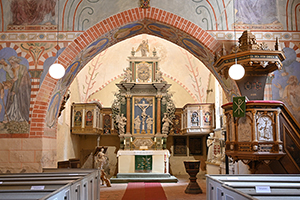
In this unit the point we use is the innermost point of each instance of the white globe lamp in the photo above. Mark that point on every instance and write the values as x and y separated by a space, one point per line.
236 72
57 71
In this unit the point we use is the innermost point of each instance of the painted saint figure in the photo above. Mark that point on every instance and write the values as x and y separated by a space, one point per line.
291 95
18 98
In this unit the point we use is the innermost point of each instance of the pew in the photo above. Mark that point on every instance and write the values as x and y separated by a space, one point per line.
51 185
244 187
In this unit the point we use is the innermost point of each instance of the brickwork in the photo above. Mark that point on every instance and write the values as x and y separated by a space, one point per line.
104 26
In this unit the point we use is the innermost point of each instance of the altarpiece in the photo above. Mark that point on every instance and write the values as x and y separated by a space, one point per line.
143 111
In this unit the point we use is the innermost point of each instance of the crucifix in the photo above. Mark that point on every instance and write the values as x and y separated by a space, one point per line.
143 106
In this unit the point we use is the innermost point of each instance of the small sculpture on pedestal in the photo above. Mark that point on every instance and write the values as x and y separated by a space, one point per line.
166 124
127 75
137 123
121 120
101 160
144 48
209 142
149 122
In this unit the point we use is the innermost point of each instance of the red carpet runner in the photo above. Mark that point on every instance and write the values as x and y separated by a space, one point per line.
144 191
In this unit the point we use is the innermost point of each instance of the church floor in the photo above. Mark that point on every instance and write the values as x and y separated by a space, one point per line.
173 191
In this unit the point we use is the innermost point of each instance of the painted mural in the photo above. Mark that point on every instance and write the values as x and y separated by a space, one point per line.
286 86
59 91
33 12
256 13
15 90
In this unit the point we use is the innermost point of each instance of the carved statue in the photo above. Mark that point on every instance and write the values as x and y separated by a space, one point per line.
144 47
143 106
137 122
121 120
101 159
158 76
127 75
209 142
149 122
166 123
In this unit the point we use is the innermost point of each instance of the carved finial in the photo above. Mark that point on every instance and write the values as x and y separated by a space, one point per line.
132 51
154 52
223 52
277 44
247 41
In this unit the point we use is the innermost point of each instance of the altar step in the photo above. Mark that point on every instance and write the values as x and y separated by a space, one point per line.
143 177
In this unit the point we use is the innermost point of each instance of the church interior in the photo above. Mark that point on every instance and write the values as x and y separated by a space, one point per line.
147 91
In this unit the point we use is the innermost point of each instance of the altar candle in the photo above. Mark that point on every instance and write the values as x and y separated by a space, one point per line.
155 139
130 139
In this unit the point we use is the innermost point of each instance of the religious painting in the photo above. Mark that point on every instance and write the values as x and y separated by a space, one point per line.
207 118
177 124
95 48
89 118
162 30
53 109
15 91
78 118
33 12
285 84
106 125
143 113
195 48
128 30
195 146
255 14
180 146
145 3
194 118
291 147
70 74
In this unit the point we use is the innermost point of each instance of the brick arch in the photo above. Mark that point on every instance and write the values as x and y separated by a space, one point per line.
81 42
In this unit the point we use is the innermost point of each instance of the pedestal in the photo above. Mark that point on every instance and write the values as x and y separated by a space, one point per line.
192 168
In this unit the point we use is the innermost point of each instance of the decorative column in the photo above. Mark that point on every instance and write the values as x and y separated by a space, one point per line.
277 113
254 126
128 114
158 116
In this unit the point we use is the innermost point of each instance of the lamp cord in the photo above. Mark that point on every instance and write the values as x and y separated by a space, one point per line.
57 31
234 32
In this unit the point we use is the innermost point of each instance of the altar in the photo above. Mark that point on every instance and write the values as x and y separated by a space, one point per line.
151 161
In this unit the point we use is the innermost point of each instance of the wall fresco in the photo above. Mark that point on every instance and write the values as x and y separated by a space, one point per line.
286 86
34 12
15 89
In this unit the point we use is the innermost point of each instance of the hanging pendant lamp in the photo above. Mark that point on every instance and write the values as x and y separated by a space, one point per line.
236 71
56 70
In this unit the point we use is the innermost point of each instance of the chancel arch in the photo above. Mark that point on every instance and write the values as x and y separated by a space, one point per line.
110 31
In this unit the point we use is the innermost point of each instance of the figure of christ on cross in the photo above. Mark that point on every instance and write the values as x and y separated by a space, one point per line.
143 106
